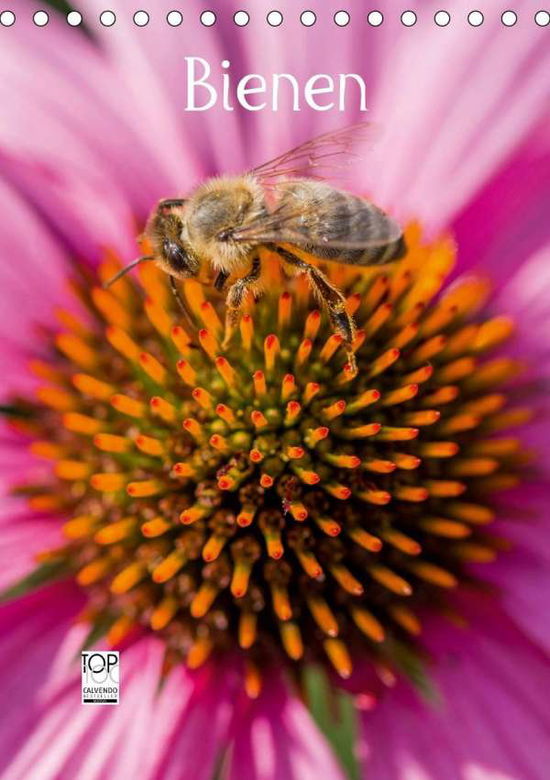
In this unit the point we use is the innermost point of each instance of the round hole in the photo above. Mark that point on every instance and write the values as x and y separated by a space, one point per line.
208 18
274 18
41 18
241 18
174 18
542 18
308 18
74 18
7 18
442 18
475 18
509 18
141 18
408 18
107 18
375 18
341 18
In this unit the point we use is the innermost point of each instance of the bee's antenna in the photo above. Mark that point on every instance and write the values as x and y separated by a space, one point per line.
127 268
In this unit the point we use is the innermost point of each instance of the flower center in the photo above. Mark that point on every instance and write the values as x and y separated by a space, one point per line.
264 500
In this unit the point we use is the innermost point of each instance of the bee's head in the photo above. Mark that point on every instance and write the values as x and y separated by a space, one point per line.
166 229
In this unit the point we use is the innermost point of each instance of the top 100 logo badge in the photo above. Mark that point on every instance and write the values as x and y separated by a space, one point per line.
100 677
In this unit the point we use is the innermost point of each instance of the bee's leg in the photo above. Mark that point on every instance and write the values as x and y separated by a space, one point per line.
235 298
181 303
330 297
220 280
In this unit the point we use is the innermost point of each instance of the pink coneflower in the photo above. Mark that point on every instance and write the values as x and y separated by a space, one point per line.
229 518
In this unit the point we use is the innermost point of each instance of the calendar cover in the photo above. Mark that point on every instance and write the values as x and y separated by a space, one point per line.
275 348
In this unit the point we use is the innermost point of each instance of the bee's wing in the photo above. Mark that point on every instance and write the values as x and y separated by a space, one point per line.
317 157
286 225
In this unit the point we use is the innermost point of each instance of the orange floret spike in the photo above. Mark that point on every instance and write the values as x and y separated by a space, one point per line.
247 331
108 442
226 371
208 343
293 410
288 387
162 408
334 410
271 350
158 317
260 387
182 340
186 372
310 391
210 319
312 324
304 351
285 310
130 406
330 346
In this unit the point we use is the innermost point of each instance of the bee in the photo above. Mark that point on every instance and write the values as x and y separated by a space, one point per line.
286 207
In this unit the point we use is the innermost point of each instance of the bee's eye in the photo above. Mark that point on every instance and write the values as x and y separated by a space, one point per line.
176 255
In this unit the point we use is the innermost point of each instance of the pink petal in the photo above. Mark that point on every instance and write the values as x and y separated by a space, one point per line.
491 721
276 739
447 133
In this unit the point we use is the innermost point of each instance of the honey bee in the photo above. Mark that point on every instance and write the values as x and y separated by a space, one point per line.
283 205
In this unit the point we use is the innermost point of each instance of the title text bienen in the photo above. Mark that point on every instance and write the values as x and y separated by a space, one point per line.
254 92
